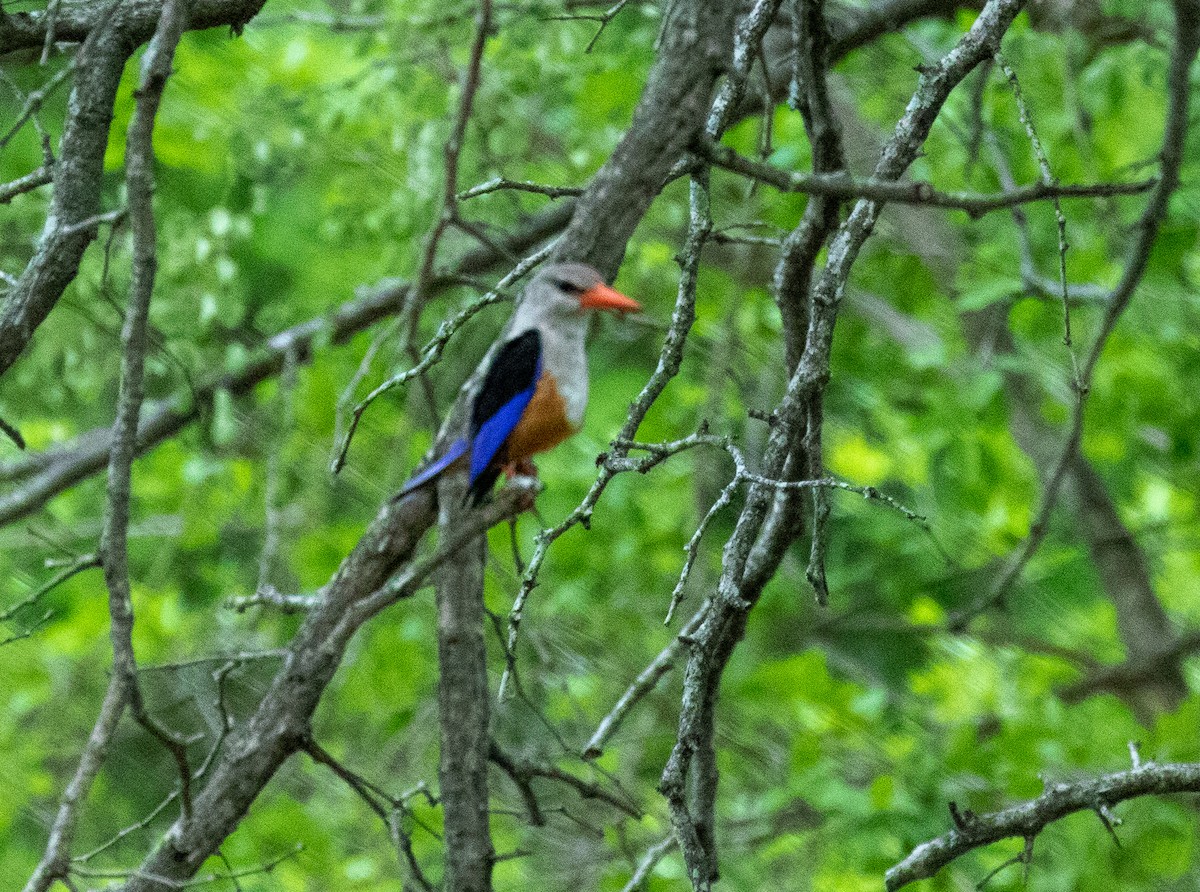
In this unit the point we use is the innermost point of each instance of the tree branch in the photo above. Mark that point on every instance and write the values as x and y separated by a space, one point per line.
1031 818
279 725
844 186
77 178
123 687
75 21
725 623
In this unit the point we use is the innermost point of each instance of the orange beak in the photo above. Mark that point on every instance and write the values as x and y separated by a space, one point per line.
601 297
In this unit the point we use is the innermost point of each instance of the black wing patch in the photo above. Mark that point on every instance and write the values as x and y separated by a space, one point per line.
507 389
513 371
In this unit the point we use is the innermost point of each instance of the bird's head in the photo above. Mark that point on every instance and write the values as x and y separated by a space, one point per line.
569 289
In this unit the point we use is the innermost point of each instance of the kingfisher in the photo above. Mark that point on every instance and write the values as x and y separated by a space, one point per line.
535 389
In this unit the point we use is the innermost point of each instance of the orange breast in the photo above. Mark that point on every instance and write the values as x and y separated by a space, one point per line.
544 424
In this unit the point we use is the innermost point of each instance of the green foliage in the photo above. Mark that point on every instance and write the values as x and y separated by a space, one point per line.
299 162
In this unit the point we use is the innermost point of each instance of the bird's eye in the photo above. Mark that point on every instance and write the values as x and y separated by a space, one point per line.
568 287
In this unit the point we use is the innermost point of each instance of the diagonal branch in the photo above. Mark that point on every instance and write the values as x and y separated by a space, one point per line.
1031 818
278 728
77 177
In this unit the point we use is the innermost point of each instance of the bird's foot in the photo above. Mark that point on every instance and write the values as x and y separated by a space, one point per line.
525 472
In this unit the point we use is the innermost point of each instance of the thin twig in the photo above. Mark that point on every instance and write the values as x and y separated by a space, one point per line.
498 183
371 794
283 420
27 183
33 102
269 596
76 566
50 20
645 682
603 18
1060 219
201 880
917 192
649 861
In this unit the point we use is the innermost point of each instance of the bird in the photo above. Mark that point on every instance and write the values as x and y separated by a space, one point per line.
535 389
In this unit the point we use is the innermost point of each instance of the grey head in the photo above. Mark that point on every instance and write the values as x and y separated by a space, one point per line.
568 290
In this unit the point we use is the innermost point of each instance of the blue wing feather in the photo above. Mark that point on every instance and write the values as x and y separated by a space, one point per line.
456 451
507 390
495 430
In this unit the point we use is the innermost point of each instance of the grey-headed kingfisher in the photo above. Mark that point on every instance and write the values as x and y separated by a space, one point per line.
535 390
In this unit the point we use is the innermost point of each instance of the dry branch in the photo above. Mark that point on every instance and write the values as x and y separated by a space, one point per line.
123 687
279 726
1031 818
725 622
74 21
844 186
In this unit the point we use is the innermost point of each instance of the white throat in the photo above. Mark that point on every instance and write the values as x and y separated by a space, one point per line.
563 353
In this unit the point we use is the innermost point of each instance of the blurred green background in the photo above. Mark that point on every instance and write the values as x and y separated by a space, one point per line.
302 160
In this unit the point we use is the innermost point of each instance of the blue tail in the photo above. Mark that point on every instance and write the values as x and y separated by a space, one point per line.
456 451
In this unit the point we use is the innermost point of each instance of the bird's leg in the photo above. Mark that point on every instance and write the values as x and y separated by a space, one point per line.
523 468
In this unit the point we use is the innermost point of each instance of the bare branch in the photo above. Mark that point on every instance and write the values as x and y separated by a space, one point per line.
33 102
85 562
646 681
56 860
1031 818
1047 179
123 689
371 795
499 183
523 771
134 876
99 64
269 596
1156 669
284 417
649 861
844 186
76 21
725 622
604 18
360 589
33 180
220 675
